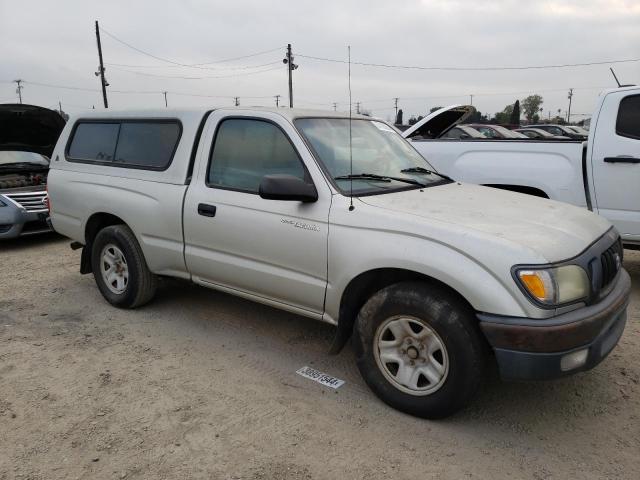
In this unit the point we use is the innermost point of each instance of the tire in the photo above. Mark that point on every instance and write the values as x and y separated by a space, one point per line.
440 370
120 269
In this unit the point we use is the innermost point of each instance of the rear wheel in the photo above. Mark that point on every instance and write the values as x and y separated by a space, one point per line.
419 349
120 269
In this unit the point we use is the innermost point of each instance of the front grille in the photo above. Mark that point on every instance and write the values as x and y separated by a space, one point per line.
31 201
610 261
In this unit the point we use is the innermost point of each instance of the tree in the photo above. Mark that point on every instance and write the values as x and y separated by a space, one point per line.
531 105
399 117
504 116
477 117
413 121
434 109
515 114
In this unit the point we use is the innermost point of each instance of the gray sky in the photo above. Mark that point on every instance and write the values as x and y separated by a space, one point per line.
53 42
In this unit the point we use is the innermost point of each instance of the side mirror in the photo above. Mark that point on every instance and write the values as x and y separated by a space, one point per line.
287 187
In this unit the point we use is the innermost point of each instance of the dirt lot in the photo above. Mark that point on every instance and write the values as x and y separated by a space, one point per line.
200 384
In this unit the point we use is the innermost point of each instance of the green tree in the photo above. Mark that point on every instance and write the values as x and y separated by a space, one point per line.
515 114
504 116
477 117
531 105
399 117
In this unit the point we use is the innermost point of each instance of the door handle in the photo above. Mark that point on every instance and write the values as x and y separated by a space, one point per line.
621 160
206 210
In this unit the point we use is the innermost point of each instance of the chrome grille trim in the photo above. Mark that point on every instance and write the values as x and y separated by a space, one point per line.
30 201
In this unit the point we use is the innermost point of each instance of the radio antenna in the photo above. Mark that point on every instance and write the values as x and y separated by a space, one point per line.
614 76
351 207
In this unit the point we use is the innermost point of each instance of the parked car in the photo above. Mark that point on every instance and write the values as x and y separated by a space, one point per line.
562 130
27 136
602 174
497 132
539 134
462 132
578 130
341 220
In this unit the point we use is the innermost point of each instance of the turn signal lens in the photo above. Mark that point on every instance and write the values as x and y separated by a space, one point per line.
539 283
534 284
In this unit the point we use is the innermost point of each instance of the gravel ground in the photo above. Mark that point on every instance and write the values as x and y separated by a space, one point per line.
200 384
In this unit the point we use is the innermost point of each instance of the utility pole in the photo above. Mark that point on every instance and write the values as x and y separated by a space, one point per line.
19 88
277 97
166 105
100 72
60 106
471 96
358 107
570 96
396 106
236 101
288 61
335 106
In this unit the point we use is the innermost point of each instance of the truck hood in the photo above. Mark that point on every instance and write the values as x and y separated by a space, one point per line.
29 128
553 230
439 122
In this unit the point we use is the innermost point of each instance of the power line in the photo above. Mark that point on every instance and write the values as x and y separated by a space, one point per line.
140 92
221 68
191 65
414 67
240 74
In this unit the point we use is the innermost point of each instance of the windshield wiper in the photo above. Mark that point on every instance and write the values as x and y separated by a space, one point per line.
380 178
425 171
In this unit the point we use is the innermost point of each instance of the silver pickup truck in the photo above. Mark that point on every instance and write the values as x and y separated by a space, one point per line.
341 220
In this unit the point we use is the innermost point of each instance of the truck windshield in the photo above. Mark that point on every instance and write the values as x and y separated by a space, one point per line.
382 160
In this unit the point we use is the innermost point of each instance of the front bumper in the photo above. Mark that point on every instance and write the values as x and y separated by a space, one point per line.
533 349
15 222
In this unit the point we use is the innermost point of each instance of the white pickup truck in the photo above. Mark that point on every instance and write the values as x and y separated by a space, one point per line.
341 220
602 174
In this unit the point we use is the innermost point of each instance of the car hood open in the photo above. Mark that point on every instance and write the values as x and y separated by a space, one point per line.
554 230
29 128
439 122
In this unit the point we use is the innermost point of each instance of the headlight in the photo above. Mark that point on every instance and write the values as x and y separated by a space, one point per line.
555 286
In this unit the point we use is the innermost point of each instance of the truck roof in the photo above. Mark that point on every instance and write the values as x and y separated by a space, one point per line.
288 113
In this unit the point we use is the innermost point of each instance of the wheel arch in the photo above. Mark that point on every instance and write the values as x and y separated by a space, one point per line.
364 285
95 223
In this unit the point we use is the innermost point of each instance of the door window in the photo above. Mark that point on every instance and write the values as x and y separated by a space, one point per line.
628 122
245 150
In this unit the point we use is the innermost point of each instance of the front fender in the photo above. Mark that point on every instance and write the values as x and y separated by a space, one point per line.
483 289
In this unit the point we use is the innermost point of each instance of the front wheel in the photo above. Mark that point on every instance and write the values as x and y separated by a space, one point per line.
120 269
419 349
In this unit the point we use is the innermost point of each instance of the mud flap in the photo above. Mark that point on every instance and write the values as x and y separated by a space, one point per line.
85 260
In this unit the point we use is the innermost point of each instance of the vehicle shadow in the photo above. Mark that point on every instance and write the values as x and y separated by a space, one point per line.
29 242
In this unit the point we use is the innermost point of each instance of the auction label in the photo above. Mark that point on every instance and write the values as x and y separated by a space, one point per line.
323 378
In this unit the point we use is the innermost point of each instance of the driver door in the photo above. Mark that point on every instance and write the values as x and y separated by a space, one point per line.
274 251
